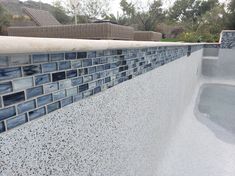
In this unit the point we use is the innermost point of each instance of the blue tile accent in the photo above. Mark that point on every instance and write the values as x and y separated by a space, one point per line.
81 55
66 101
16 121
87 93
72 91
87 78
26 106
58 76
83 71
9 73
7 112
32 70
77 81
22 83
91 70
83 87
52 107
71 73
13 98
40 58
20 59
97 90
77 97
64 65
64 84
6 87
57 57
86 62
70 56
42 79
33 92
37 113
51 87
2 127
49 67
44 100
59 95
76 64
91 54
3 61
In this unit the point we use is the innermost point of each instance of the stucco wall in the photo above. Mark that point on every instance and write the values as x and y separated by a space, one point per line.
121 131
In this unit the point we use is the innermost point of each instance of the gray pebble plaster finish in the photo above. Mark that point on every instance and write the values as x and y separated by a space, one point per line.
122 131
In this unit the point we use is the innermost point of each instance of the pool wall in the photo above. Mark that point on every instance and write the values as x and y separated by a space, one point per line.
123 129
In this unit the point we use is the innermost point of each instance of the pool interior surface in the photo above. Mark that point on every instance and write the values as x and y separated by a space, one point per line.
204 143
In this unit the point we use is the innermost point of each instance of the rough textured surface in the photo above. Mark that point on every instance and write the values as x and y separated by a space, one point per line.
122 131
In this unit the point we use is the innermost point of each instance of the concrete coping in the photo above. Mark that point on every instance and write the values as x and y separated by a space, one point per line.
10 45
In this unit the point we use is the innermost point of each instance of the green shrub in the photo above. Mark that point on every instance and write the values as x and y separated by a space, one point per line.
198 37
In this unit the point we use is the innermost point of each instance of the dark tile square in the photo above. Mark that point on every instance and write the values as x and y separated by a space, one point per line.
70 56
31 70
81 55
83 87
58 76
52 107
13 98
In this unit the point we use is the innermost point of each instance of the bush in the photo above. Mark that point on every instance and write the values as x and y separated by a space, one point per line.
198 37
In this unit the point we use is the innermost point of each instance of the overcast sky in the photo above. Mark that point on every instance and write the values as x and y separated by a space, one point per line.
115 7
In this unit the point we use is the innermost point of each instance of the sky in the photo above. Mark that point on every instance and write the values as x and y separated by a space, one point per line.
115 7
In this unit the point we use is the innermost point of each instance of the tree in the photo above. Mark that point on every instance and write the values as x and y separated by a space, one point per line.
74 7
4 18
231 15
60 14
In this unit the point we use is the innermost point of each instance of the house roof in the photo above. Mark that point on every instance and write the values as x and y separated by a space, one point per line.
41 17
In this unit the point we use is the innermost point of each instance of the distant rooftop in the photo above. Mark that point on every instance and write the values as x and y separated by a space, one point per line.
41 17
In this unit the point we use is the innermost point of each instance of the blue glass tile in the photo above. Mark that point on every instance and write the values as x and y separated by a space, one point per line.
52 87
91 70
42 79
7 112
92 85
13 98
108 79
97 90
22 83
19 59
81 55
77 97
26 106
107 66
9 73
52 107
6 87
37 113
83 71
49 67
103 60
32 70
2 127
99 82
76 64
71 73
96 76
96 61
58 76
39 58
44 100
69 56
87 78
33 92
64 65
16 121
88 93
3 61
87 62
119 52
59 95
64 84
77 81
91 54
99 53
100 68
72 91
57 57
0 103
83 87
66 101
